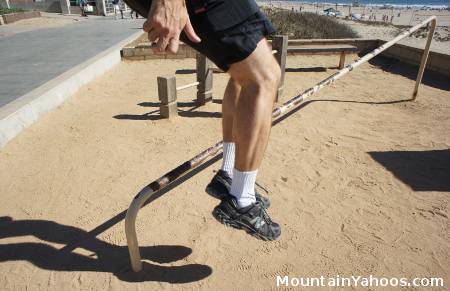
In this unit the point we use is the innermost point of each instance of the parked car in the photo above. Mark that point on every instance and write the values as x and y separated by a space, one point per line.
332 12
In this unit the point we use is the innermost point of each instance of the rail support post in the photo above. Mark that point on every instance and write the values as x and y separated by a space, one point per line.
205 80
342 61
423 62
167 93
280 44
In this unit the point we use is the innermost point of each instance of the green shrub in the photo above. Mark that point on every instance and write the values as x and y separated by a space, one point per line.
308 25
10 10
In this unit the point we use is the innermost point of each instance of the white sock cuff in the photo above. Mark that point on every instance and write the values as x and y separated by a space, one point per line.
228 157
243 187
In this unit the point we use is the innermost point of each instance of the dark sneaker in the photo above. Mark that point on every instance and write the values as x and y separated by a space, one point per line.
220 187
253 219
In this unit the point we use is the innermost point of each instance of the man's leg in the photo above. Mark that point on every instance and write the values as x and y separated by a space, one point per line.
229 104
258 77
220 184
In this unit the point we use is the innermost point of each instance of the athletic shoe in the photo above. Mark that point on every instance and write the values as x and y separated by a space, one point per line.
220 187
253 219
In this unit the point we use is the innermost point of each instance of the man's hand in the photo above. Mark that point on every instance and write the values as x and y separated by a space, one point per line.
166 20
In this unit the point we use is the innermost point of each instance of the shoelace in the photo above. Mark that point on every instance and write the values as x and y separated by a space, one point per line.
265 215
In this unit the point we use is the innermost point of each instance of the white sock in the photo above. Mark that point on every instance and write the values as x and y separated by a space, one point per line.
228 158
243 187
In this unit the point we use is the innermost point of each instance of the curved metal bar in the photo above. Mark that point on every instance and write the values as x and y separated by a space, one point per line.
153 188
187 86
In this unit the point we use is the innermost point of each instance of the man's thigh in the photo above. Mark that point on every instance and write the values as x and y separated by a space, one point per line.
257 66
228 46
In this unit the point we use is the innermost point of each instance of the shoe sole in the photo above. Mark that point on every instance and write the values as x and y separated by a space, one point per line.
226 220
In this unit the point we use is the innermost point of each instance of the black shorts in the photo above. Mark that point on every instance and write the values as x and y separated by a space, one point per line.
229 29
230 45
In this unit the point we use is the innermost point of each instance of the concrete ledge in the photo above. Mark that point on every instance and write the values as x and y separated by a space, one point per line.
322 49
363 45
437 62
144 51
26 110
13 17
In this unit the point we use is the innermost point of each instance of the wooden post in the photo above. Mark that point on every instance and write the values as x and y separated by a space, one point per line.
280 44
167 93
342 61
423 62
204 79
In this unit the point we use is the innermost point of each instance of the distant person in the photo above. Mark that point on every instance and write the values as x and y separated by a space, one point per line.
121 8
117 8
83 4
134 12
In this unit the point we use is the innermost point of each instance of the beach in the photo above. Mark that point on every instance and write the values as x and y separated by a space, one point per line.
377 29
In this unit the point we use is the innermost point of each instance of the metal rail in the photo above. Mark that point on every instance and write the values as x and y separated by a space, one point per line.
155 187
187 86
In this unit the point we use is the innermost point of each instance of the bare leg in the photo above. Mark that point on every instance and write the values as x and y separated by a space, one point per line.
229 104
258 75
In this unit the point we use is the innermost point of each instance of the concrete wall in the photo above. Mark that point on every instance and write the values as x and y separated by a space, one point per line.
437 62
13 17
45 5
364 45
144 52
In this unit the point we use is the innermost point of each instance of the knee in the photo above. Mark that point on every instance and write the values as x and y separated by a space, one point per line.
265 78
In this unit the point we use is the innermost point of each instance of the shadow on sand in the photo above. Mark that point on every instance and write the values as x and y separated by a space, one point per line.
409 71
155 115
102 256
421 170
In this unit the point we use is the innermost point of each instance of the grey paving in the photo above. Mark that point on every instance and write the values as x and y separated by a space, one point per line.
30 59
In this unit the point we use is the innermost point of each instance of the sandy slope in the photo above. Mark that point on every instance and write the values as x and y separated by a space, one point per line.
351 198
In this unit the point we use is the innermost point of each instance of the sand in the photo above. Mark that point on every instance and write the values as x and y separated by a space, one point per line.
358 181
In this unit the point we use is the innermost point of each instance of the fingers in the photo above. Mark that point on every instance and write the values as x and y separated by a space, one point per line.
162 43
173 45
190 33
166 33
147 26
153 35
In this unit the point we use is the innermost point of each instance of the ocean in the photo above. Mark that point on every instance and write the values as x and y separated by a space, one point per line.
395 3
